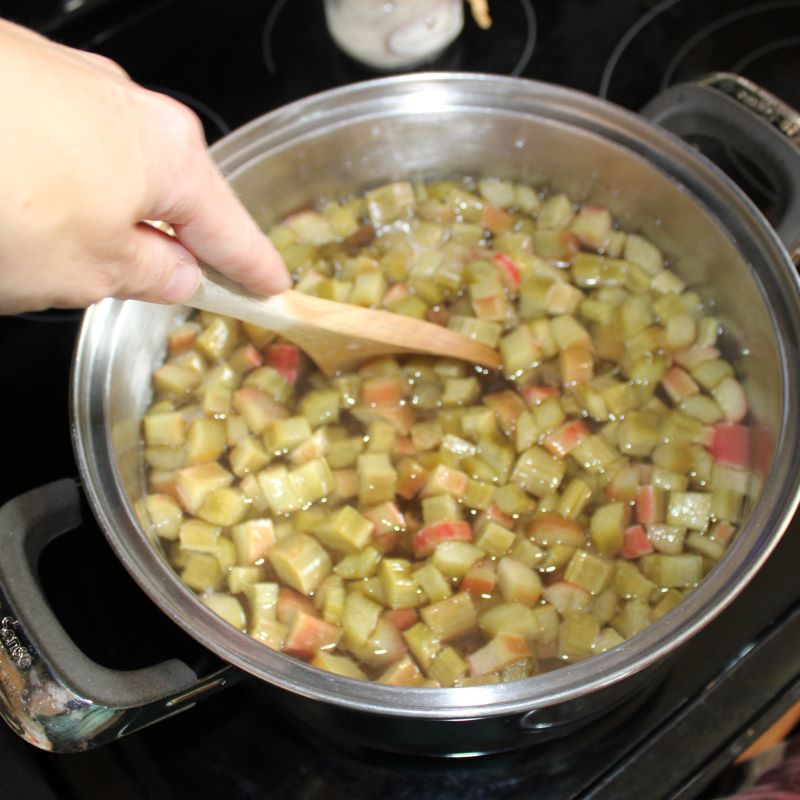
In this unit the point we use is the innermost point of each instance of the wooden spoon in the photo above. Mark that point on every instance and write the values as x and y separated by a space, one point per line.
336 336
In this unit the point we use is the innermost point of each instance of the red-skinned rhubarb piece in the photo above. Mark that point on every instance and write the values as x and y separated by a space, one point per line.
402 618
636 543
245 358
504 649
650 505
565 439
533 395
309 634
382 390
496 220
509 270
396 293
507 405
386 517
285 358
481 578
679 385
732 445
292 603
424 541
695 355
494 514
723 532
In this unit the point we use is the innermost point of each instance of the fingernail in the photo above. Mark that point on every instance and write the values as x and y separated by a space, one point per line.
183 281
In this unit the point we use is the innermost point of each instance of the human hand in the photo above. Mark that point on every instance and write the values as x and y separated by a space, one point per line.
85 156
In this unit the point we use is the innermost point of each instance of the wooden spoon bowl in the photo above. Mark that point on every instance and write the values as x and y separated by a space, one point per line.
337 336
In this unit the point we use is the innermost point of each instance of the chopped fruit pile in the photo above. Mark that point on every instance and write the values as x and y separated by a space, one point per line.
420 522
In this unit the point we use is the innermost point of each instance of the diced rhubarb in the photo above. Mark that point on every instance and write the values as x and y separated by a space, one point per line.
679 385
395 294
194 483
384 647
504 649
451 618
732 445
695 355
723 531
651 504
346 483
624 485
509 270
558 245
551 529
285 358
492 307
252 539
382 390
507 406
576 365
592 226
404 672
257 408
480 578
292 603
424 541
563 440
183 338
386 518
245 358
496 220
494 514
636 543
401 618
308 634
566 596
533 395
401 418
446 480
731 398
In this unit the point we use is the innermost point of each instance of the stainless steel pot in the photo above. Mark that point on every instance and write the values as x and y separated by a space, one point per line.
419 126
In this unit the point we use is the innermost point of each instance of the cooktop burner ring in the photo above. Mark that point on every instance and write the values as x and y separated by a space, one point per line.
525 16
626 39
705 50
718 25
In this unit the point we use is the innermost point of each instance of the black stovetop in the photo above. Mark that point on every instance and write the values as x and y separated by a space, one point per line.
232 62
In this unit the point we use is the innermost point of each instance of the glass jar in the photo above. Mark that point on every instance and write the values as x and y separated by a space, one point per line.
394 35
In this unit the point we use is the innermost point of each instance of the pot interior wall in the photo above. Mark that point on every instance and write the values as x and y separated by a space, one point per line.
351 156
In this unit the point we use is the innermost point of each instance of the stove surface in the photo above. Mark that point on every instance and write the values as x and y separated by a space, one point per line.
231 62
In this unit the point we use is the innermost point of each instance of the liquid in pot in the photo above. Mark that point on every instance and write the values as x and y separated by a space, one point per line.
419 521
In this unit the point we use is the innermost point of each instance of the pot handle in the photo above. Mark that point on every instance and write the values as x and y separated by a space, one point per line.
51 693
737 112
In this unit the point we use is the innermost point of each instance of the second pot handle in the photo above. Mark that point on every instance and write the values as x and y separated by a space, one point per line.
51 693
735 111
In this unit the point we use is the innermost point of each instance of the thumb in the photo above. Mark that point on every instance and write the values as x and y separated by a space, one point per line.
161 271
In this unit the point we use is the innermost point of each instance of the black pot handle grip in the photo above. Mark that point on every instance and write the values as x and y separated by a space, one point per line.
51 693
736 112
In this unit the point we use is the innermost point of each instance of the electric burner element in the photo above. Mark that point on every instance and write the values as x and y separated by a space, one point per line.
214 126
678 40
506 48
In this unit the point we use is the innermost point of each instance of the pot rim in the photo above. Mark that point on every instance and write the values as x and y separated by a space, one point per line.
767 520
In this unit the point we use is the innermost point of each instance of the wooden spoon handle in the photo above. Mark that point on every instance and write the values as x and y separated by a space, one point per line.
222 296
